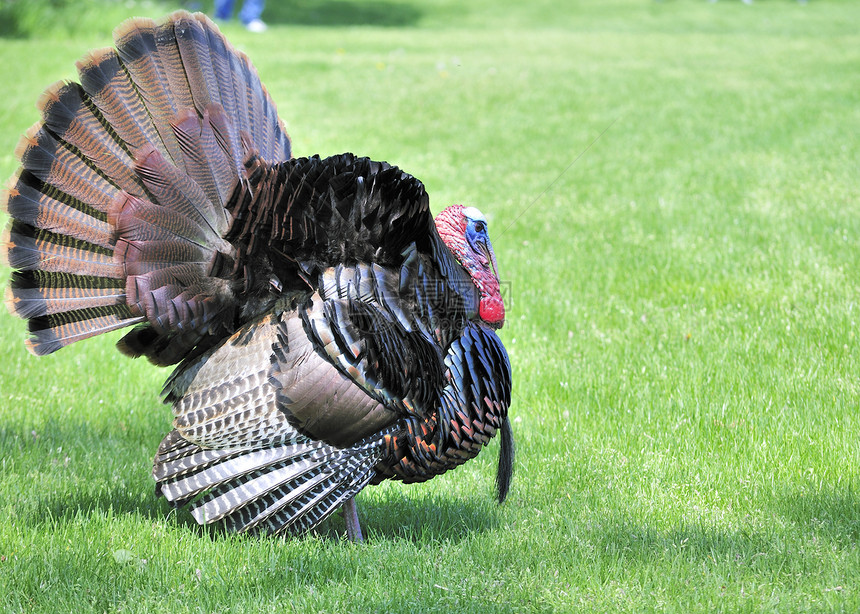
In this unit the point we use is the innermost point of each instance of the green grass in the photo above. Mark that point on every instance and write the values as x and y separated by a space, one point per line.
682 324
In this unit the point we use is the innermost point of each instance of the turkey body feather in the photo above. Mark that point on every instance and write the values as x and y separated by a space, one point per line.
328 332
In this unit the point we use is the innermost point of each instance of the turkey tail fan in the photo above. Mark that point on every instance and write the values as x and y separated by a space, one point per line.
290 487
118 208
507 451
185 62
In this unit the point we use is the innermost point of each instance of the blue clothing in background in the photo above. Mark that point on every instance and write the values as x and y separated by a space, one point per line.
250 11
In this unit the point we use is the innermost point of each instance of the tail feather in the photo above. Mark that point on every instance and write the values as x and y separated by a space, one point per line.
171 60
63 170
229 89
255 108
69 288
30 206
230 143
40 293
68 116
50 333
263 119
144 228
193 44
120 200
138 48
110 88
30 248
176 191
240 115
206 160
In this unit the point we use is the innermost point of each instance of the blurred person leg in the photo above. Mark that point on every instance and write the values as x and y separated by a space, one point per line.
223 9
250 15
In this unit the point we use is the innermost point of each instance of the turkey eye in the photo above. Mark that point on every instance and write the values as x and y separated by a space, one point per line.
479 227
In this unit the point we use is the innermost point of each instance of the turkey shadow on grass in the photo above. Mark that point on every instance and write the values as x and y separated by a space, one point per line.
123 486
424 516
394 518
343 13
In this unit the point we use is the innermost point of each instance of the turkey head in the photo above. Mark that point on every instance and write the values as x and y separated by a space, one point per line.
464 231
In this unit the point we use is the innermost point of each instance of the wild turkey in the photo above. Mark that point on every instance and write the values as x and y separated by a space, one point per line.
329 333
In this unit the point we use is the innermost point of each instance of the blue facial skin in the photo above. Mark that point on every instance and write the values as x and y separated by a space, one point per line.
479 240
476 232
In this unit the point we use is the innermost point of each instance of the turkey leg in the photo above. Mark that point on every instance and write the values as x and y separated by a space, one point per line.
350 515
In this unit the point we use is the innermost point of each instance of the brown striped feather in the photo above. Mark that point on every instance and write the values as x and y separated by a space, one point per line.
64 169
60 332
205 160
173 189
67 115
226 174
32 207
254 102
31 249
221 55
142 221
241 118
33 302
136 46
192 42
109 86
168 49
218 51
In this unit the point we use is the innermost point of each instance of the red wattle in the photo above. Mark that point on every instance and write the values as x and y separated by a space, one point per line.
492 311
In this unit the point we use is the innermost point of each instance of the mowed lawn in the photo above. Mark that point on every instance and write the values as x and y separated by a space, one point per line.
673 191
